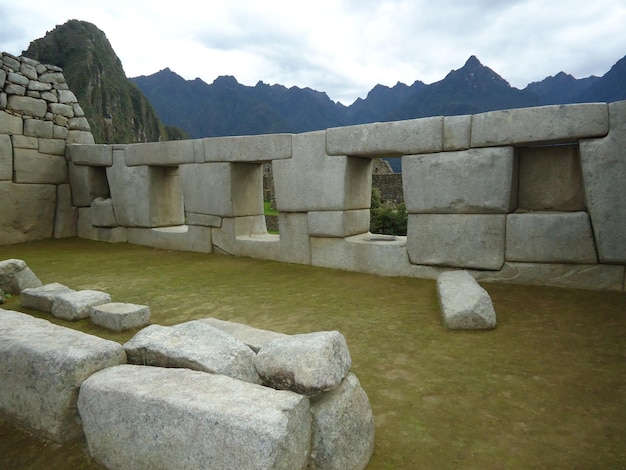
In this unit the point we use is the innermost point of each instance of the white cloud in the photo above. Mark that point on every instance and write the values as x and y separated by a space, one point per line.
341 47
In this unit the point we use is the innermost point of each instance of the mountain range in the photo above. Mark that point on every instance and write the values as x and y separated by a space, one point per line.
227 107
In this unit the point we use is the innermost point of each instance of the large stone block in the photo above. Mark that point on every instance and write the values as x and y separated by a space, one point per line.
66 215
550 179
294 243
387 138
41 298
120 316
42 367
38 128
52 146
457 240
604 175
102 213
27 106
559 123
193 345
342 428
30 166
176 238
313 181
75 305
168 418
475 181
28 212
254 338
249 148
338 223
10 124
464 304
457 132
94 155
170 153
550 238
6 158
16 276
88 183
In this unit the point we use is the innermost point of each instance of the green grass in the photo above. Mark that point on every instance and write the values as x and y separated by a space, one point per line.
267 208
545 389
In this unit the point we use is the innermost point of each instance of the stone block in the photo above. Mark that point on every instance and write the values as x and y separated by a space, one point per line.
307 363
294 243
120 316
84 229
15 276
62 109
457 132
27 106
145 196
550 237
342 427
79 123
193 345
41 298
93 155
249 148
475 181
313 181
387 138
52 146
110 234
550 179
169 153
79 137
65 215
75 305
604 175
102 214
464 304
203 219
176 238
165 417
38 128
247 237
6 158
31 166
9 124
338 223
88 183
28 212
42 367
474 241
559 123
23 142
254 338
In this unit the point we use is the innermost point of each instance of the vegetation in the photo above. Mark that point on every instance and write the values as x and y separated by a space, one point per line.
387 217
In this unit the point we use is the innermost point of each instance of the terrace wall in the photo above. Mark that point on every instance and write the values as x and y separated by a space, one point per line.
532 195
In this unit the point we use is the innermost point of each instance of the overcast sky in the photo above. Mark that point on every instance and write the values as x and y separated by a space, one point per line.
342 47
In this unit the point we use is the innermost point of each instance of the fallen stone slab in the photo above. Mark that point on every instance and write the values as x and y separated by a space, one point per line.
150 417
120 316
307 363
465 305
342 427
194 345
41 298
75 305
255 338
15 276
42 366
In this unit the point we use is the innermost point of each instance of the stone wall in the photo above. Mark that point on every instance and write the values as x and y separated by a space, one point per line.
39 115
531 195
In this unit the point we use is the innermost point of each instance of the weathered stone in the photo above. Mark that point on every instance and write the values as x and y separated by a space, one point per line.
52 77
250 148
52 146
42 367
66 96
31 166
254 338
62 109
109 235
559 123
550 237
3 77
194 345
75 305
29 212
23 142
203 219
294 241
18 79
35 85
342 428
475 181
3 100
93 155
160 153
338 223
10 124
11 62
387 138
465 305
457 240
29 71
119 316
6 158
66 215
102 214
14 90
38 128
79 137
27 106
245 236
15 276
165 418
51 97
40 298
84 228
457 132
88 183
604 173
59 131
307 363
550 179
79 124
176 238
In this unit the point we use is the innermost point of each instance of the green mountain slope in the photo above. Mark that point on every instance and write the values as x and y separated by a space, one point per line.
117 111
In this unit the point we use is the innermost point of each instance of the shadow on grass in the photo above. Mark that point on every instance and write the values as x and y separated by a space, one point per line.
545 389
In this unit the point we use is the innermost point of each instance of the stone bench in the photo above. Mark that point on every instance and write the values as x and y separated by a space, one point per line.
42 366
120 316
465 305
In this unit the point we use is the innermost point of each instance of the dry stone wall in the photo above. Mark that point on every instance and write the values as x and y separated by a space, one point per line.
39 115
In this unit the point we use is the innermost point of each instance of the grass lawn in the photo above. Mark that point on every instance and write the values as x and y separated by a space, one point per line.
545 389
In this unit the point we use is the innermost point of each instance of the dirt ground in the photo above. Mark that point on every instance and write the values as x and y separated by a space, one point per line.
545 389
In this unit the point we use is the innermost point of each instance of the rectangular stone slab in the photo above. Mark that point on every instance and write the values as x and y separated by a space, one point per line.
42 366
144 417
